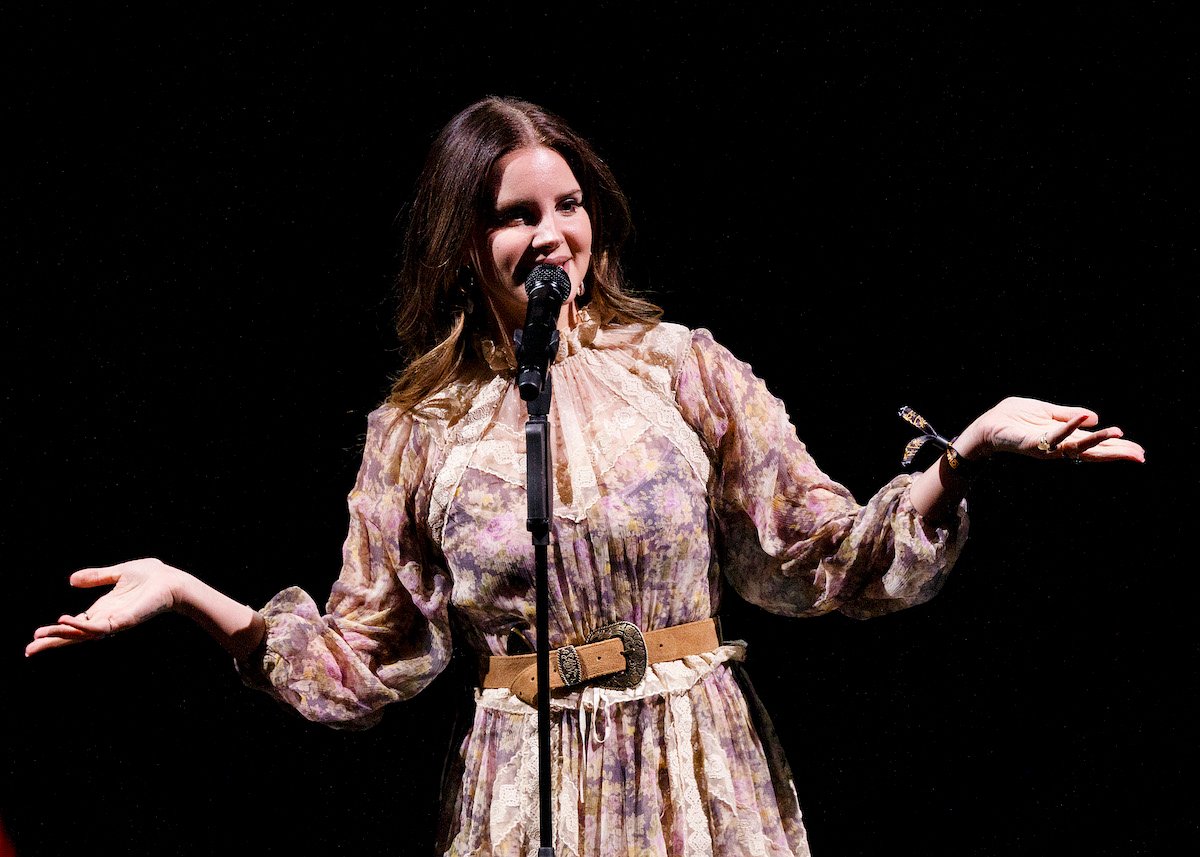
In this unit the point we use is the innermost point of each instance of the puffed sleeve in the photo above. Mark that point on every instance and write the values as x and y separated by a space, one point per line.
791 539
384 634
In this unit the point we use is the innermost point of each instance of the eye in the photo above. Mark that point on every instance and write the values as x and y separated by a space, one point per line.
570 205
518 215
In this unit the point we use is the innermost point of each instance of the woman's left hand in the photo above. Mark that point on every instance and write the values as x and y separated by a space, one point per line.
1043 430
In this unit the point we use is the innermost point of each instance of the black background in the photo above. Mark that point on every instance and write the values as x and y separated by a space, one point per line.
874 206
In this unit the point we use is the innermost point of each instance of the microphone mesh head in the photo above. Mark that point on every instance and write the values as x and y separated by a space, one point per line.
550 277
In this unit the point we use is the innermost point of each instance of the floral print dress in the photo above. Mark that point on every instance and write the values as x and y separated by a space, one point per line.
675 470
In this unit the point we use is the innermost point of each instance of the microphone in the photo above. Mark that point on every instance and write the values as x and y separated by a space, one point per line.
537 343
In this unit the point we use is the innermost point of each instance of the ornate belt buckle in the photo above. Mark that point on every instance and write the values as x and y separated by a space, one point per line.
635 653
568 666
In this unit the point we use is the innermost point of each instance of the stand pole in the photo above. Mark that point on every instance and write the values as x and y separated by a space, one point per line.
540 499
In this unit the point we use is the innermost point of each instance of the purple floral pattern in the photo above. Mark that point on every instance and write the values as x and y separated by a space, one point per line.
675 470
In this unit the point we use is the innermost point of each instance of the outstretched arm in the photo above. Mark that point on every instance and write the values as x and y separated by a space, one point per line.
1026 427
143 588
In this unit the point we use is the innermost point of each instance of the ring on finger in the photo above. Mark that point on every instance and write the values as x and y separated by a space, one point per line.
1043 443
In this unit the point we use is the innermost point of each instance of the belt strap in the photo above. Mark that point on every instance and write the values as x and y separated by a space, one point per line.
614 656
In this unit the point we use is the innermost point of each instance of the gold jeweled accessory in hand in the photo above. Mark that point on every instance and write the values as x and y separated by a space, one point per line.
1044 445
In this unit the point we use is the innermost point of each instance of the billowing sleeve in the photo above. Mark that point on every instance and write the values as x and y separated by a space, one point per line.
791 539
384 634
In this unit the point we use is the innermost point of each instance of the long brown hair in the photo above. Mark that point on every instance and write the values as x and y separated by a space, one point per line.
435 289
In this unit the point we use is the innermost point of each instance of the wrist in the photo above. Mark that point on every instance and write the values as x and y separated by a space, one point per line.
238 627
184 594
972 444
963 455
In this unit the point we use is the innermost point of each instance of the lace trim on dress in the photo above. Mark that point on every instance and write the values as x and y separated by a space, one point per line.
681 774
640 391
461 442
514 812
500 357
658 411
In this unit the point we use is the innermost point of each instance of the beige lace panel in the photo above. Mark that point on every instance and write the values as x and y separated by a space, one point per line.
626 392
646 389
460 442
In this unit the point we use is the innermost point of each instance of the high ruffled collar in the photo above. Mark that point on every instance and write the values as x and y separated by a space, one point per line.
500 358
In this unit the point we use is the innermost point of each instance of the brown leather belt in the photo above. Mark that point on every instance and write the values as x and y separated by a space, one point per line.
614 656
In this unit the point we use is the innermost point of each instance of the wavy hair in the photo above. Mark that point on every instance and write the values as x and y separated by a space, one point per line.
439 309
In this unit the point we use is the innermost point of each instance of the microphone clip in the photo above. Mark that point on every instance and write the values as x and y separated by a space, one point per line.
532 366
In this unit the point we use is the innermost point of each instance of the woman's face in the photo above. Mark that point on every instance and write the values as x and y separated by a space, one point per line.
537 216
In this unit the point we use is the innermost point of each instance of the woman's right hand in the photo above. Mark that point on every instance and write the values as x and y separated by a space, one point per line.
142 588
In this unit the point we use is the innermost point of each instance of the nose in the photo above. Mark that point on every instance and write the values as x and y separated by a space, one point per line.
548 234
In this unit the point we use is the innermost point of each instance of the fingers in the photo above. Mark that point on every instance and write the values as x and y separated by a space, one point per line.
81 622
60 630
44 643
1086 440
87 577
1117 449
1052 442
93 624
1067 429
1068 414
1107 444
60 634
101 625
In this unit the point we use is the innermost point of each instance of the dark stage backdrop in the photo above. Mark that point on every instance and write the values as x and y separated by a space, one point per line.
873 207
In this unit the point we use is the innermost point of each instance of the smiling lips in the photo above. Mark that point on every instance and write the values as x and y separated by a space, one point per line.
560 261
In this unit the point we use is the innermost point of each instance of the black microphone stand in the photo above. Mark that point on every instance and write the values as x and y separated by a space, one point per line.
540 496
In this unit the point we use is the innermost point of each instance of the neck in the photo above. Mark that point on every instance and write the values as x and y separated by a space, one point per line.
568 320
